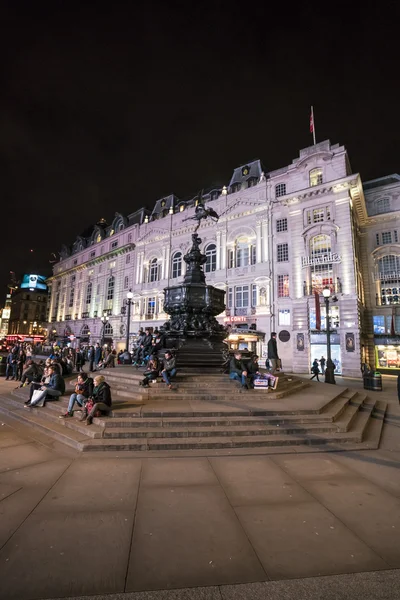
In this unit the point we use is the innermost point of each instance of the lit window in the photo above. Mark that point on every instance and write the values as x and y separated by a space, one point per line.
242 296
112 232
211 254
177 265
280 190
281 225
315 177
98 239
379 324
181 208
284 316
321 274
282 252
112 264
151 307
386 237
318 215
283 286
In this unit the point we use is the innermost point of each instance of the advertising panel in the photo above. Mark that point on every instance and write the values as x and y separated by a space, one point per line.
34 282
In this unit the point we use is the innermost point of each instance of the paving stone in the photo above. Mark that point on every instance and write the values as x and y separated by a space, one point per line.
188 536
99 483
178 471
256 480
374 466
66 555
41 475
15 509
304 540
19 456
9 438
371 513
314 466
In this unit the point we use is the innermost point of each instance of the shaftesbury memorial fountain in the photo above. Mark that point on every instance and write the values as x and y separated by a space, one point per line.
193 306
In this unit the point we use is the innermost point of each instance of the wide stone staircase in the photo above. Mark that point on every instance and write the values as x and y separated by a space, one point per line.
208 414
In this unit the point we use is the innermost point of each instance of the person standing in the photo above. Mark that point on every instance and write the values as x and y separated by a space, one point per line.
273 353
315 369
322 362
90 357
97 356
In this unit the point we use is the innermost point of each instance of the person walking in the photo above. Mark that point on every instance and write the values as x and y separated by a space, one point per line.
315 369
273 353
322 362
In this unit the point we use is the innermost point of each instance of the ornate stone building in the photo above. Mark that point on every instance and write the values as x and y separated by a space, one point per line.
282 236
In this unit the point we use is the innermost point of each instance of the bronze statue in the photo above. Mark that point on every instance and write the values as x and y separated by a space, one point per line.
200 213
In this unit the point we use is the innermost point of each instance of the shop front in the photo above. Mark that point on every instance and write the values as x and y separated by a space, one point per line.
243 335
319 348
387 354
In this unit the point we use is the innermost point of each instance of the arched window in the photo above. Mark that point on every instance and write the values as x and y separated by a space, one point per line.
177 265
211 254
316 176
89 293
85 331
321 269
110 288
153 270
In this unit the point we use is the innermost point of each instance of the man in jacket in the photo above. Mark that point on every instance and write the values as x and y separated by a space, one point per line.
83 391
273 353
169 368
11 363
52 390
237 370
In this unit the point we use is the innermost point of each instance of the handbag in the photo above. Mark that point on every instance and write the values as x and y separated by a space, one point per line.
38 397
89 405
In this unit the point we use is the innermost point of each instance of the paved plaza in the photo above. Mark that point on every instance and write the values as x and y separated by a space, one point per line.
275 526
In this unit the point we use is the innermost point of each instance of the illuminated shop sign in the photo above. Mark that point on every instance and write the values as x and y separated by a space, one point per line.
235 319
6 313
323 259
387 276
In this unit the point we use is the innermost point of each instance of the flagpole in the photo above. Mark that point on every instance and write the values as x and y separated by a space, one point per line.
313 124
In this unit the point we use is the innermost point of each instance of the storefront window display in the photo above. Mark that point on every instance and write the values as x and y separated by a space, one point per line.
387 357
318 350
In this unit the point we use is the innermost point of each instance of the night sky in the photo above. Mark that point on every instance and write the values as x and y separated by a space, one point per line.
108 109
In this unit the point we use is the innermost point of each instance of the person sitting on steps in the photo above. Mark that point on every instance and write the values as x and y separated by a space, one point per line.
253 370
51 391
152 372
101 400
169 368
83 391
237 370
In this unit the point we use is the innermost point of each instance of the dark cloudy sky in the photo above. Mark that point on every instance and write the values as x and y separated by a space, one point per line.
108 109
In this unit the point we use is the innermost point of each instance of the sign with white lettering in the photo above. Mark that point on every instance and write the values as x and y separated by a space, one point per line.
235 319
322 259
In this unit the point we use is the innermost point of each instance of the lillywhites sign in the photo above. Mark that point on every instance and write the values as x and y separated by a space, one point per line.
322 259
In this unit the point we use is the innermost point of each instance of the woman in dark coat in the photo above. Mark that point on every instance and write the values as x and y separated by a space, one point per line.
101 397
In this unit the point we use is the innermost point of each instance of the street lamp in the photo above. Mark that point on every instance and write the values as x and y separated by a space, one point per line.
104 319
330 367
129 302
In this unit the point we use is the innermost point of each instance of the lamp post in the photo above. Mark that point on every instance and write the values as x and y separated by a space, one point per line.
330 366
104 319
129 302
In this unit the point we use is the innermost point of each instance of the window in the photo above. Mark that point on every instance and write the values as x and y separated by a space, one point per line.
126 282
113 244
377 239
282 252
245 253
382 206
386 237
75 262
91 271
129 238
151 306
253 295
242 296
379 324
108 330
315 176
281 225
110 288
89 293
280 190
321 274
177 265
284 316
211 254
396 237
283 286
127 259
112 264
153 272
71 297
230 297
318 215
181 208
98 290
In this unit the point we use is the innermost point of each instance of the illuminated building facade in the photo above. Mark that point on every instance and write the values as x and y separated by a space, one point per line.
282 236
